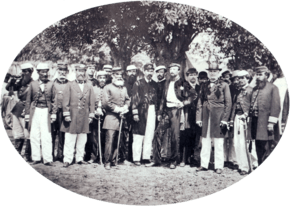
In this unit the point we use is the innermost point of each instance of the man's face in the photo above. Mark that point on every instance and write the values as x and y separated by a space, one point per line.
192 78
81 74
118 75
261 76
227 77
236 81
202 80
62 73
213 75
102 80
132 72
109 72
43 74
91 71
25 72
160 74
174 71
243 81
149 73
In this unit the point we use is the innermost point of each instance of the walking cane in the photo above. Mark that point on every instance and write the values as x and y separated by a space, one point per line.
99 138
246 147
119 137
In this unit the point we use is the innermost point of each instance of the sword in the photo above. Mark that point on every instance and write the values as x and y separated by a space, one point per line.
99 138
246 147
119 137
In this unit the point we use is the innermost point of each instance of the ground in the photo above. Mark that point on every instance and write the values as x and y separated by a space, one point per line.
128 184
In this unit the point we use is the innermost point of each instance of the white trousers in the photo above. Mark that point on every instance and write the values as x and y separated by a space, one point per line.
240 147
229 150
145 140
18 128
70 142
206 150
40 135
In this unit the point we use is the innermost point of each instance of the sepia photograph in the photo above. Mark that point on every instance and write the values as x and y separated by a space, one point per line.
145 103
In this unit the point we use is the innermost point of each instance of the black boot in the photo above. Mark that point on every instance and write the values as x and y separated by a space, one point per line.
19 144
27 154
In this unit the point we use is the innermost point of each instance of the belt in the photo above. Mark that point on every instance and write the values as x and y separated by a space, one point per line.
41 105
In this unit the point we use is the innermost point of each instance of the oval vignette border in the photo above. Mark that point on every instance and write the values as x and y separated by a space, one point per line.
23 185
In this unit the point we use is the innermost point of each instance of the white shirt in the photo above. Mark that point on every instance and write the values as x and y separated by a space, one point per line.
41 85
171 98
81 86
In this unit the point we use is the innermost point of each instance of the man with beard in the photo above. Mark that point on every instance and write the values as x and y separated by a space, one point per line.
78 110
240 112
90 74
264 113
99 114
202 77
108 69
226 76
188 135
20 133
213 116
173 100
40 111
144 106
117 102
161 76
59 86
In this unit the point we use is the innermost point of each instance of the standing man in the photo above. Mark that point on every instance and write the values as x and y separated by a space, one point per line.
264 113
93 139
117 104
212 115
144 106
91 69
40 112
78 111
240 112
172 102
161 72
108 68
59 86
20 133
188 136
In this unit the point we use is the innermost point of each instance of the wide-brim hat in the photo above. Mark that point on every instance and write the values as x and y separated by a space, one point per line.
26 65
242 73
115 69
235 73
101 73
131 67
160 67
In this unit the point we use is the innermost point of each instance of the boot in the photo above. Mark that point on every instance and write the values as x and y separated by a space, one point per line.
27 154
18 145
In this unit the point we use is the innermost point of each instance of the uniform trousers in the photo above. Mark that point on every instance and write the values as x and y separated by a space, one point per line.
40 135
145 141
111 145
240 146
206 150
229 150
56 132
71 141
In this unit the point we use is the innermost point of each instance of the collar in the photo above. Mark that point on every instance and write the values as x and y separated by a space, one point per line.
162 80
147 80
61 82
176 78
81 81
192 85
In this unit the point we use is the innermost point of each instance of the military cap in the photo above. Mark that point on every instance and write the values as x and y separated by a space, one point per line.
202 74
62 65
242 73
160 67
261 69
131 67
101 73
107 66
174 65
42 66
148 66
235 73
191 71
115 69
80 67
26 65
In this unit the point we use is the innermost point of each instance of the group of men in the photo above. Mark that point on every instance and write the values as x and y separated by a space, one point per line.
107 116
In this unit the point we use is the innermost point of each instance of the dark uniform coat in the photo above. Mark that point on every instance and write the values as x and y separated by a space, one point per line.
190 109
114 96
33 94
79 106
214 109
160 91
144 94
268 101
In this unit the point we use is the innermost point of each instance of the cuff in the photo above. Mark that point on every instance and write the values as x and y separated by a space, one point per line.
65 114
27 116
117 109
91 115
135 111
273 120
53 116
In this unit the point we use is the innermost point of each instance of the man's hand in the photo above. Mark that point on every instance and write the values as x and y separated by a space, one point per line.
231 123
223 124
159 117
136 118
99 112
90 120
180 105
243 117
26 119
124 111
67 119
270 127
199 123
52 119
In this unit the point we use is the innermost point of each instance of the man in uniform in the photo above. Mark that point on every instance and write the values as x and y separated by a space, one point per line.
240 112
20 133
59 85
99 115
108 69
161 72
144 107
40 112
188 135
117 104
172 102
213 112
264 113
91 69
78 110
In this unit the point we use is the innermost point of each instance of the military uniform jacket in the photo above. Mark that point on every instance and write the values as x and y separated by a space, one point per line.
114 96
160 91
190 109
99 96
214 109
268 101
144 94
59 91
80 106
33 94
